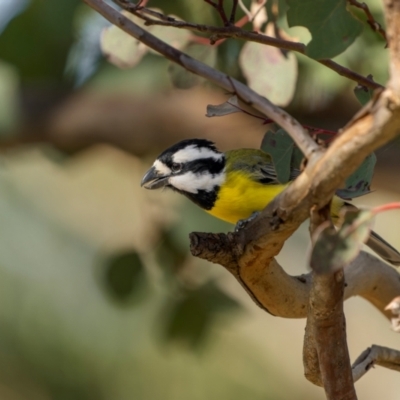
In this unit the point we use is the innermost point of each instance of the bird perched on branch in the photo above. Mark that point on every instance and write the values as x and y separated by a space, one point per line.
231 185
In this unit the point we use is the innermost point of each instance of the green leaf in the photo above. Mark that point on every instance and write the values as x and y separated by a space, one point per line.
183 79
358 183
269 71
189 319
297 158
332 27
363 94
287 156
279 145
333 249
125 277
9 98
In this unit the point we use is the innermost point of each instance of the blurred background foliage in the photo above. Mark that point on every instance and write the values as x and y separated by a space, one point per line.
99 296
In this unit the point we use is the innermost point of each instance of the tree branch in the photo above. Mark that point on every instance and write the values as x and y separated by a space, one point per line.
325 353
375 355
392 15
327 324
372 22
287 296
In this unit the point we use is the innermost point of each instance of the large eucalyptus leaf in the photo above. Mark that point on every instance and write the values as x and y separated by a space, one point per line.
332 26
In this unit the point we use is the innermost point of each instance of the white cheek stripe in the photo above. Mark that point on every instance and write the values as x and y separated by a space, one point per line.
192 183
161 168
192 153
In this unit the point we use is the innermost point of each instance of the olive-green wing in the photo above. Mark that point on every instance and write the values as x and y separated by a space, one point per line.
257 164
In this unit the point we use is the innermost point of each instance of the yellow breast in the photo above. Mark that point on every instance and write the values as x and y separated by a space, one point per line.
239 197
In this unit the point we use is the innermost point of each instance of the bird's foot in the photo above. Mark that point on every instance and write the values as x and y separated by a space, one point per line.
242 223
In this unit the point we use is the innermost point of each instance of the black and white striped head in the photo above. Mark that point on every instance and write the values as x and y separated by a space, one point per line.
193 167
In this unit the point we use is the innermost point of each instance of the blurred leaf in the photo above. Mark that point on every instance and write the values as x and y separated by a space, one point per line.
9 85
332 27
260 14
333 249
342 246
37 41
190 318
359 182
9 9
363 94
279 145
124 51
183 79
125 277
229 107
189 322
119 48
269 71
170 255
177 38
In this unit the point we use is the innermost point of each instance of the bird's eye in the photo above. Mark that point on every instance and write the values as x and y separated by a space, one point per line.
175 167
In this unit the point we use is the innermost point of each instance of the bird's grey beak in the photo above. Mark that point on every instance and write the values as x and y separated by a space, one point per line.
154 180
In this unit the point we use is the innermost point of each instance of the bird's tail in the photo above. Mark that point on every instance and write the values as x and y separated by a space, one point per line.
383 249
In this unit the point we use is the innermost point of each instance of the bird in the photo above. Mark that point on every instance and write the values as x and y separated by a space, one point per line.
232 185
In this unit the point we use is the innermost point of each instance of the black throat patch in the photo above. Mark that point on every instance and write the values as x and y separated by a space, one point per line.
204 199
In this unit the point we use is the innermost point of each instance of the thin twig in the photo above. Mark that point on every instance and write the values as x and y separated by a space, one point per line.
221 33
220 8
372 22
233 12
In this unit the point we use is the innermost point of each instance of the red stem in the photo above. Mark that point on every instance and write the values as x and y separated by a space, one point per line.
386 207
